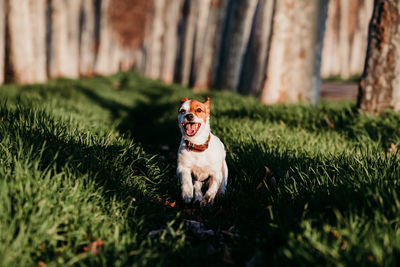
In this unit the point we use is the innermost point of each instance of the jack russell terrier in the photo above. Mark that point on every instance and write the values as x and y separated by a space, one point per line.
201 154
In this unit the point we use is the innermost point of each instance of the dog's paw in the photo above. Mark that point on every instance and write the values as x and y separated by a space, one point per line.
208 199
198 196
187 193
187 196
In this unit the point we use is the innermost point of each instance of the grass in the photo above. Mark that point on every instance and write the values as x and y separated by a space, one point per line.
87 172
355 78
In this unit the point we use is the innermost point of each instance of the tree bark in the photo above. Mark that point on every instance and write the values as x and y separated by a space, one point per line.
38 27
207 63
237 40
21 42
359 36
64 55
345 41
255 62
153 42
2 39
170 41
292 72
199 39
380 84
108 56
87 42
190 13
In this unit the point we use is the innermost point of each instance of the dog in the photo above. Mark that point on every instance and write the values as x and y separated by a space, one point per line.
201 155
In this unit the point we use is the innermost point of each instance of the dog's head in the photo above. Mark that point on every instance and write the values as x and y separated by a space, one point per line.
194 117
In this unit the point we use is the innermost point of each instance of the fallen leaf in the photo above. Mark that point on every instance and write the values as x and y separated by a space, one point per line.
392 148
328 122
343 246
259 186
335 234
227 257
94 247
170 204
268 178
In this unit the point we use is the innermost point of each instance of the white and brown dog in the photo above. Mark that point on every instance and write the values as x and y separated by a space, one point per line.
201 154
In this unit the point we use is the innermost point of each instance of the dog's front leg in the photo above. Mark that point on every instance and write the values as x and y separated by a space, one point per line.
198 195
187 185
215 183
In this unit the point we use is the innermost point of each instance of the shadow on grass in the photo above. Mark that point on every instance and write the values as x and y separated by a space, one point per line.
120 172
152 121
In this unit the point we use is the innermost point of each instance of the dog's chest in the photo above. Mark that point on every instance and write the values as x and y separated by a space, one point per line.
200 164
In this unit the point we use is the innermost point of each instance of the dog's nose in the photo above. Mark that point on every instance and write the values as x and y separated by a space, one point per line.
189 117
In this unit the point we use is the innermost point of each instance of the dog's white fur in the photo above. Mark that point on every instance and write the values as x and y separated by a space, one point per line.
195 167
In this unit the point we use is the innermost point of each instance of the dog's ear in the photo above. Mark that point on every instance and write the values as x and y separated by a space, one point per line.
207 102
183 100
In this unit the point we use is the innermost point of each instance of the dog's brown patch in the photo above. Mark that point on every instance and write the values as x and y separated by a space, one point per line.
201 110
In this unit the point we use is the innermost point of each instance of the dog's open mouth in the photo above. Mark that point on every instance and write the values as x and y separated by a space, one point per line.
191 128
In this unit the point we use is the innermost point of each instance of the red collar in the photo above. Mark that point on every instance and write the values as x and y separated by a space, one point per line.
198 148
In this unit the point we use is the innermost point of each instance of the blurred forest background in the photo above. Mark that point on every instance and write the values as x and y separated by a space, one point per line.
277 50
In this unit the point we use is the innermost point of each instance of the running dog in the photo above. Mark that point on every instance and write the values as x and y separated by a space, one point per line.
201 155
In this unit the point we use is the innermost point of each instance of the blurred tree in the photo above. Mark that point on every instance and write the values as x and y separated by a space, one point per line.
153 44
172 15
2 39
190 14
235 43
345 40
207 62
380 84
293 72
87 40
64 38
255 62
27 33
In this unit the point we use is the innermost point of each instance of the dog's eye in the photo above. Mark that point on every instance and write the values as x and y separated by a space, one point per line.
198 110
182 111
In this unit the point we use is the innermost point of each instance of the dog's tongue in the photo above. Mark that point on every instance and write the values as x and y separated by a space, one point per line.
191 129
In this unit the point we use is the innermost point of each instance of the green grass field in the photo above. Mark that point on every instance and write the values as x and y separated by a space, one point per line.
87 173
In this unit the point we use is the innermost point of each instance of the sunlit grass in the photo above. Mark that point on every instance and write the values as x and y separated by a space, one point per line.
95 159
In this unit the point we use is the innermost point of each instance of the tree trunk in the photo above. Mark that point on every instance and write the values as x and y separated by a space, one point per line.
38 27
345 41
207 63
108 57
170 41
190 13
199 39
330 60
359 36
2 39
21 42
293 65
153 42
64 55
253 72
380 85
87 40
237 40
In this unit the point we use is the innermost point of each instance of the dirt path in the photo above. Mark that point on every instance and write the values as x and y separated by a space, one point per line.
339 91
